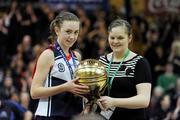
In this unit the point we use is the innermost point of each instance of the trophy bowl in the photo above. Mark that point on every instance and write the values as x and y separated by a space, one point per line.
92 73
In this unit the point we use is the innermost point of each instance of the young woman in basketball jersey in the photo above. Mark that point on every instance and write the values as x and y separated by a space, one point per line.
129 77
53 82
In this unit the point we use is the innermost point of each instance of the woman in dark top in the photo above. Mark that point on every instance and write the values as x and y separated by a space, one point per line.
129 77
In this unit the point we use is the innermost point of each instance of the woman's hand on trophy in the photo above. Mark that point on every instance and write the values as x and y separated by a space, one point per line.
100 105
105 102
75 88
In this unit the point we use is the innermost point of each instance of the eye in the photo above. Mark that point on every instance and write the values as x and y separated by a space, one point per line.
76 32
112 38
68 31
120 38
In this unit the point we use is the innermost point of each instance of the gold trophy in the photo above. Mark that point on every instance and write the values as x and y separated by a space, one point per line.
92 73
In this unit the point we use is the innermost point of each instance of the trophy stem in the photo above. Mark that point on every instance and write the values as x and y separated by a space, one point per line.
90 107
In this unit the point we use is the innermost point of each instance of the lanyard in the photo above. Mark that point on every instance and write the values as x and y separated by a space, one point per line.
110 81
58 47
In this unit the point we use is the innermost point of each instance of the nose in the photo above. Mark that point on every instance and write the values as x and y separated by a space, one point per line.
72 36
116 41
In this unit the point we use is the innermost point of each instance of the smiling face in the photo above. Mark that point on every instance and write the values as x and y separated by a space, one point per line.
119 39
68 33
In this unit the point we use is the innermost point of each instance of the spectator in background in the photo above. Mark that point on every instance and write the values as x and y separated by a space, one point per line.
176 113
24 99
102 46
84 20
13 18
3 42
45 17
27 49
96 40
28 21
168 79
156 95
12 108
174 93
5 112
151 51
8 86
174 56
160 63
17 67
20 113
162 111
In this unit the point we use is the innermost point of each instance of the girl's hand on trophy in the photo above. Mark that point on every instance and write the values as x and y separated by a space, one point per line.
75 88
105 102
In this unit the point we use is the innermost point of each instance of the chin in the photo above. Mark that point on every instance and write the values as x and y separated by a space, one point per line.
69 45
116 50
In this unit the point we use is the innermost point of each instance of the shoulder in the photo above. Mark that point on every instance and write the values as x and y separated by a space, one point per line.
131 56
48 53
103 58
46 57
142 63
106 57
142 60
142 70
136 57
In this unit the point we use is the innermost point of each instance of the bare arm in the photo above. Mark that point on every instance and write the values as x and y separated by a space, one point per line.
141 100
44 64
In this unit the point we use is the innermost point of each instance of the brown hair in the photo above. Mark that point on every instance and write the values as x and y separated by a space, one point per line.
120 22
58 21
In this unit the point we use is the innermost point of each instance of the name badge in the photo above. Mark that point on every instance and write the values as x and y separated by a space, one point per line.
108 113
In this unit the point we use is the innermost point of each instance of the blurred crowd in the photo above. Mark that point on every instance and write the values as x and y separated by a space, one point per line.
24 32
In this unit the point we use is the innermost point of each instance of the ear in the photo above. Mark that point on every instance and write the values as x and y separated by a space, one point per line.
56 29
130 38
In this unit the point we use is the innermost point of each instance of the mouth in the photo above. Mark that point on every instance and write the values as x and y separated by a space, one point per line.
116 45
70 41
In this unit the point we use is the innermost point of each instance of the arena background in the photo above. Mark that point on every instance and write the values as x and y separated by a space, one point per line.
24 31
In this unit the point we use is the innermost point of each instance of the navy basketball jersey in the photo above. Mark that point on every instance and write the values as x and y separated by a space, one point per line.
64 104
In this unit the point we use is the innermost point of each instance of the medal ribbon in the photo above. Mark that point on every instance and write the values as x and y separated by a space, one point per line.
110 81
58 47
